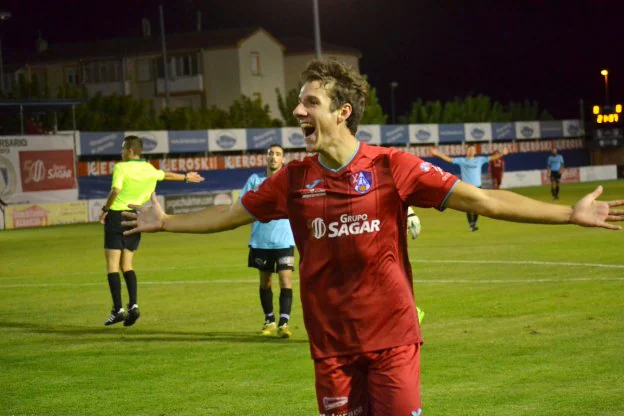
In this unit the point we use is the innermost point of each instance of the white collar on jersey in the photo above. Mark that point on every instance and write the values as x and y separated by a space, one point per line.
346 163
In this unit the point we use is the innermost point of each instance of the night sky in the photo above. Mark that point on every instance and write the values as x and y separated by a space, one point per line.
549 51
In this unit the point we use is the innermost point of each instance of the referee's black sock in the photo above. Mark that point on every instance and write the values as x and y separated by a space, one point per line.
114 283
266 300
557 191
285 301
131 284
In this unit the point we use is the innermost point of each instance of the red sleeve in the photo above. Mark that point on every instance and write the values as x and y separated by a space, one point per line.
420 183
269 201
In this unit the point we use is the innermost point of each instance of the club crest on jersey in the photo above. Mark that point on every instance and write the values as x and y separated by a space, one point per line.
362 181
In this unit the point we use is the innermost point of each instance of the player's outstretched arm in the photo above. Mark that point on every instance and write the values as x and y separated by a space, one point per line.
188 177
509 206
435 152
152 218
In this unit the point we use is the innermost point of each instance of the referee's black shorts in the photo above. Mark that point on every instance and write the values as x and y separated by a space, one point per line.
272 260
113 233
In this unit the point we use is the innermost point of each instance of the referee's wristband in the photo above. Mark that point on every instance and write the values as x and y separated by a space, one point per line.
104 209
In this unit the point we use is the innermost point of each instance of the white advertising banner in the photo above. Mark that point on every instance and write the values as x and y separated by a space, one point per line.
37 169
527 130
369 133
522 178
292 138
227 140
598 173
154 142
424 133
478 132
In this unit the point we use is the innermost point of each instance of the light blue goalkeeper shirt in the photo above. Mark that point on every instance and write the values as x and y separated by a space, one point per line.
273 234
555 162
471 168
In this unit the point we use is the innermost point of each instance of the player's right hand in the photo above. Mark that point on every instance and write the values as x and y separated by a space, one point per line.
147 219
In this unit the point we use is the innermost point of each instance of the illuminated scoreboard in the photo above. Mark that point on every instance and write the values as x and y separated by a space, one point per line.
608 125
608 114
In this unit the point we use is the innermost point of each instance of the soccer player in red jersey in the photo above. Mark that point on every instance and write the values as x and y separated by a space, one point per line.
496 168
347 207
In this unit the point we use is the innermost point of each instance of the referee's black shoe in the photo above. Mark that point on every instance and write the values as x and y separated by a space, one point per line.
115 317
133 315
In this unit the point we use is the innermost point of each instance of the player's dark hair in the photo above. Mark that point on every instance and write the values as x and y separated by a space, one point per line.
343 83
275 145
135 143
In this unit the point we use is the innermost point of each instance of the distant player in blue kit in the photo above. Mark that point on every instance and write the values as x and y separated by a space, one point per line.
470 167
555 169
272 250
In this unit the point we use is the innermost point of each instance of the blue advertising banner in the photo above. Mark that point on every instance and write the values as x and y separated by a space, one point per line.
551 129
452 133
504 131
188 141
261 139
100 143
395 135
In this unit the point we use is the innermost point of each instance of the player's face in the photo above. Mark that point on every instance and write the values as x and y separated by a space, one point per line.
318 122
471 151
275 158
554 151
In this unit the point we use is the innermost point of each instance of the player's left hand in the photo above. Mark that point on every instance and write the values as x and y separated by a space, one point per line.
148 218
194 177
591 213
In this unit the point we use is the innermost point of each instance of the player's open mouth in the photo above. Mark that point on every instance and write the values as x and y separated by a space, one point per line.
308 129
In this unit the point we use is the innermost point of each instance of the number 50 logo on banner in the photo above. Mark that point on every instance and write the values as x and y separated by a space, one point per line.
47 170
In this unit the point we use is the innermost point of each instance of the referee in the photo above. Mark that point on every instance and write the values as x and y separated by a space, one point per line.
134 180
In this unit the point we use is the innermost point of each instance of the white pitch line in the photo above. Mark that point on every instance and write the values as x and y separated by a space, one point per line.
230 266
247 281
194 267
518 262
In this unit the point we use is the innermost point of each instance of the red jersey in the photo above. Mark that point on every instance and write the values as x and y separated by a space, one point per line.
497 166
350 229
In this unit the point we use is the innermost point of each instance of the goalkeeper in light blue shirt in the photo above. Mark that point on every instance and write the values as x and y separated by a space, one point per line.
470 167
554 166
272 250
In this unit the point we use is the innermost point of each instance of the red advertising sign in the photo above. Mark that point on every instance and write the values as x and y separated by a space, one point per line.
47 170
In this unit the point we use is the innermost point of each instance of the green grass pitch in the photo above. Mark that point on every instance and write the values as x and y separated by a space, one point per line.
521 320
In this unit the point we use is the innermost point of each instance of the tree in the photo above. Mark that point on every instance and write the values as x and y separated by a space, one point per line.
286 106
248 113
373 113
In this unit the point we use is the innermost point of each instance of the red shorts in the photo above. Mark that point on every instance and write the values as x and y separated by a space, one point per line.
379 383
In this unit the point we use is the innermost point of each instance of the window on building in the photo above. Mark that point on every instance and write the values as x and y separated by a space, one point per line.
71 75
144 70
255 63
179 66
102 71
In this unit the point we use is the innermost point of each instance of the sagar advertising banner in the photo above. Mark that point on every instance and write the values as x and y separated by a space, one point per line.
37 169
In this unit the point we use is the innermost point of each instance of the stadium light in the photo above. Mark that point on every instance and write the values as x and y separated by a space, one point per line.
605 73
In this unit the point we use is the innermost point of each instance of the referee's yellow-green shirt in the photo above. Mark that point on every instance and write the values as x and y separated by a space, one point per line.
136 179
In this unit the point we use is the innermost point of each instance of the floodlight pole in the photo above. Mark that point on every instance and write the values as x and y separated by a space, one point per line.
317 30
164 50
